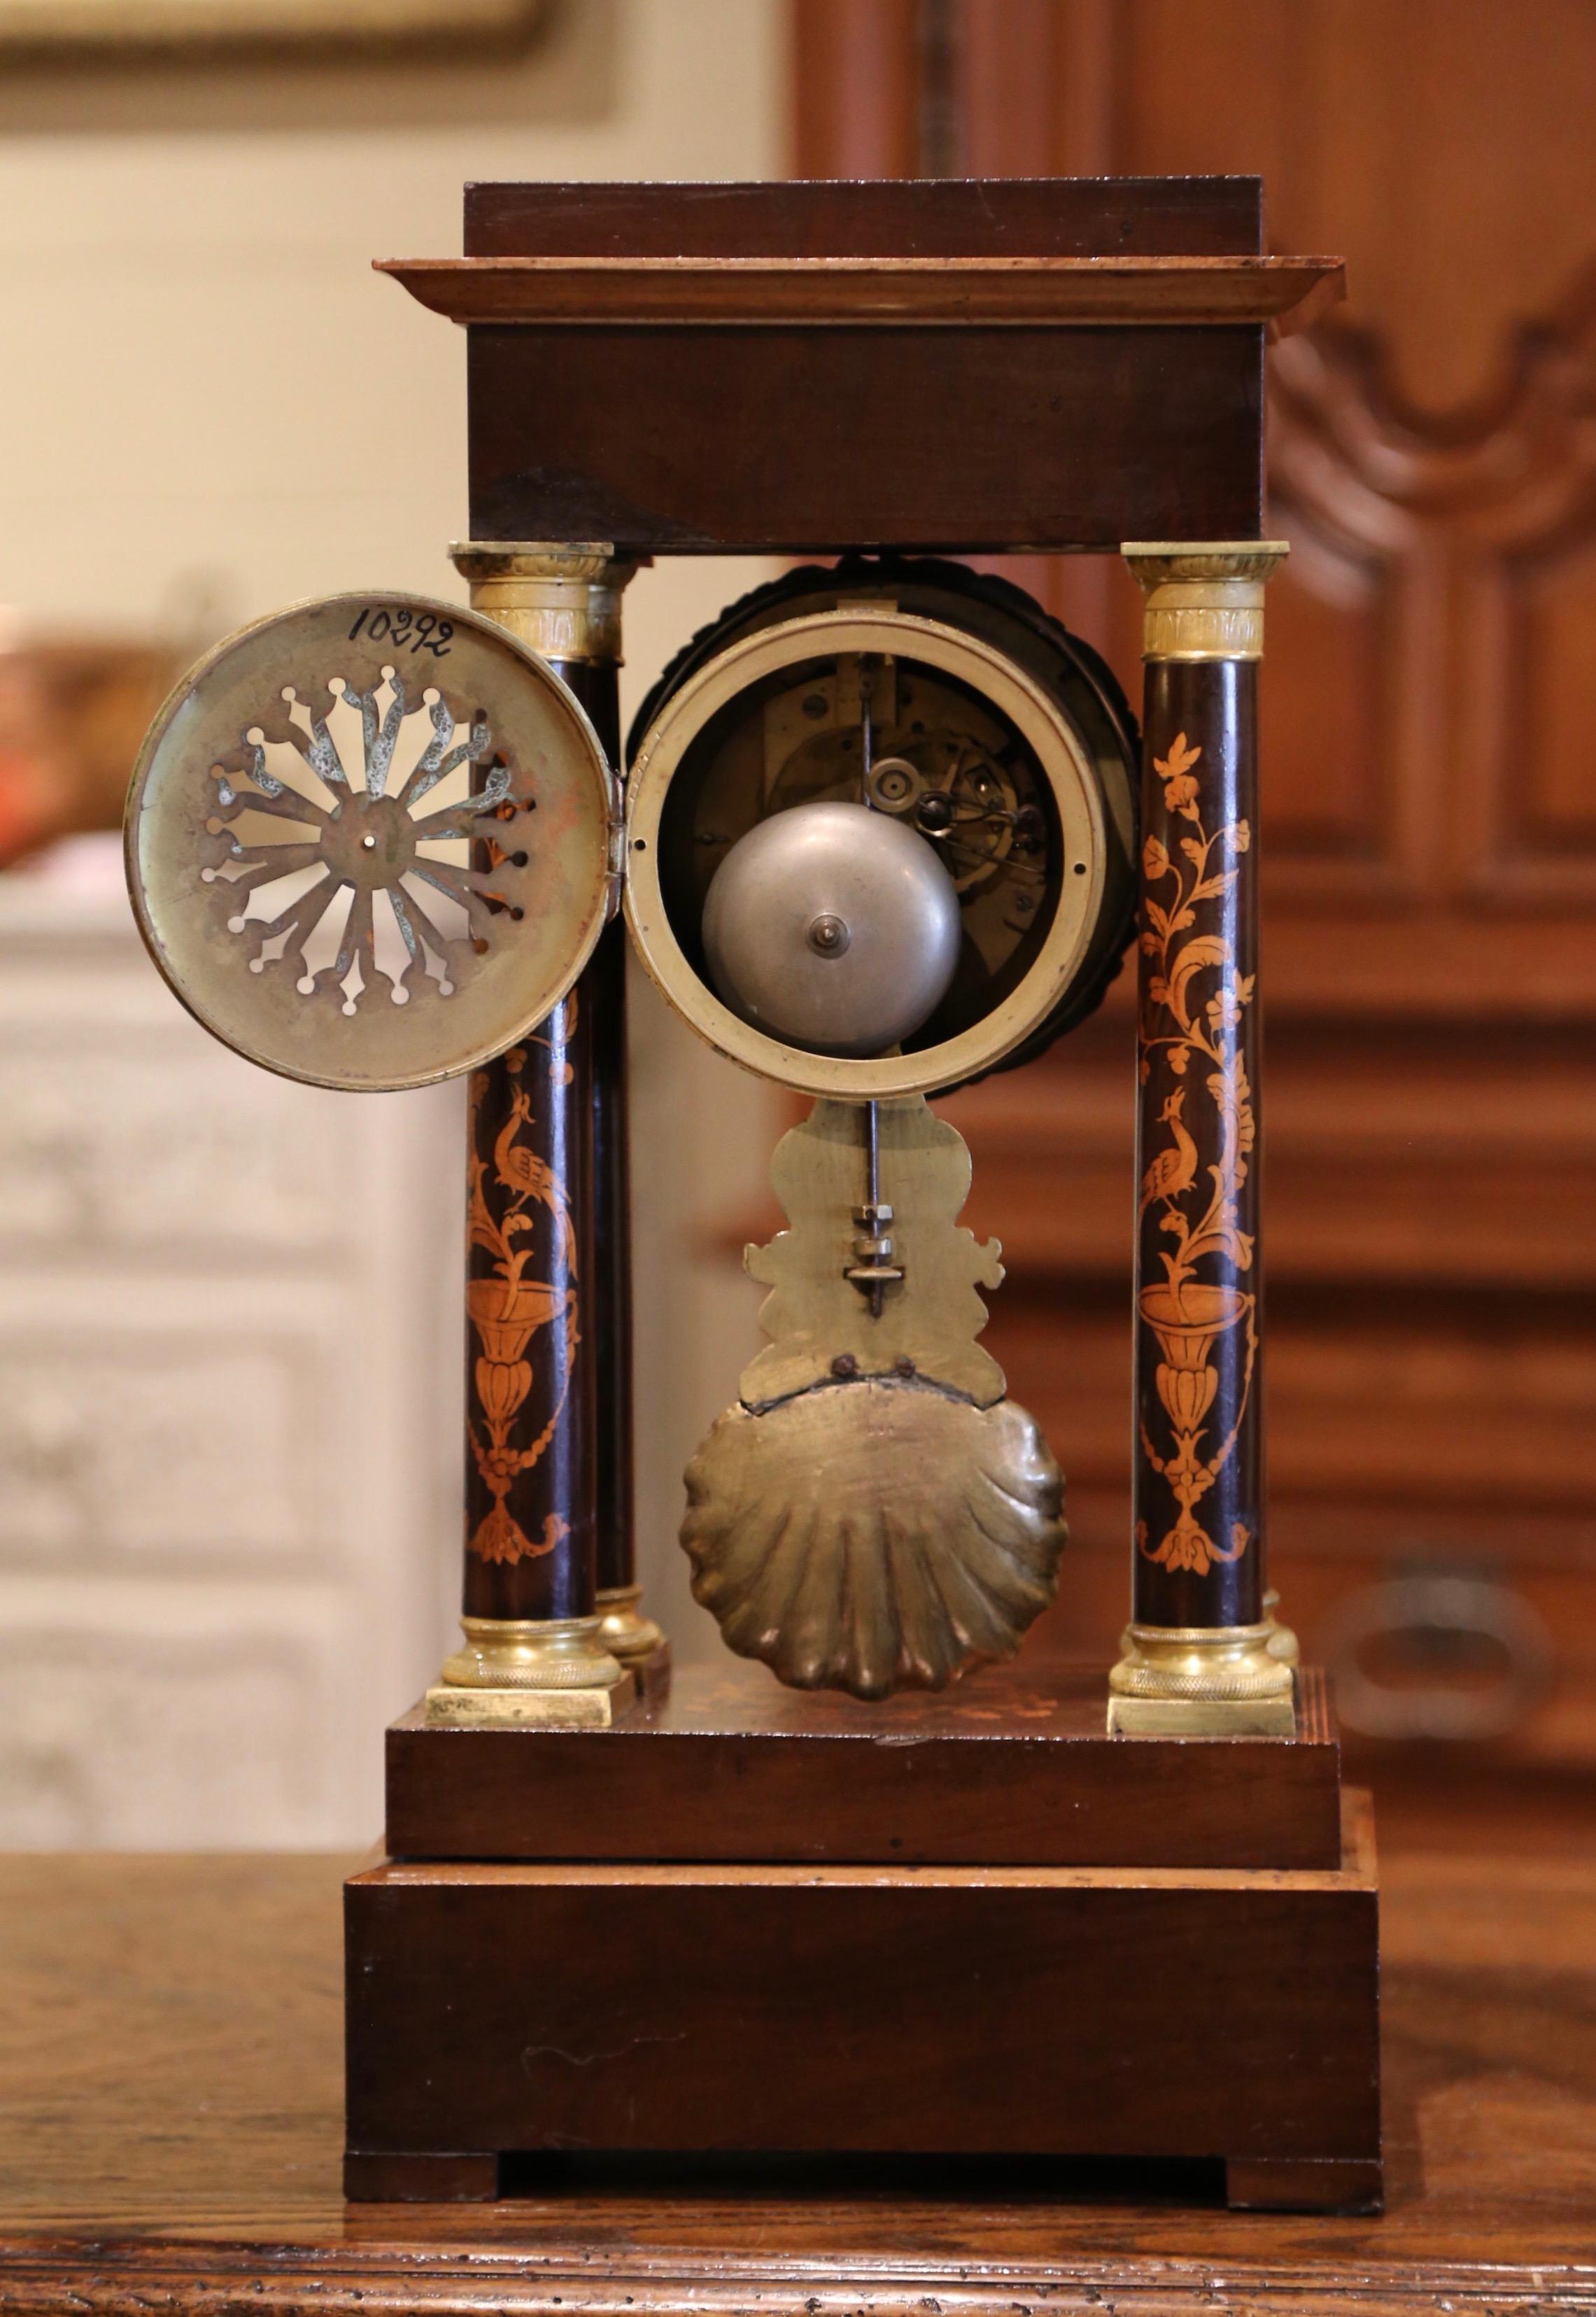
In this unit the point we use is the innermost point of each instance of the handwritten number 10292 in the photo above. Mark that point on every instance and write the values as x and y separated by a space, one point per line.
402 626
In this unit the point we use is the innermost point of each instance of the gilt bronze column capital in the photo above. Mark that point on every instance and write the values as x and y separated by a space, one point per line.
563 601
1205 601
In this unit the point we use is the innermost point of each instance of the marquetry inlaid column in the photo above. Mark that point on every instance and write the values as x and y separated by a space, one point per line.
1201 1651
548 1362
570 614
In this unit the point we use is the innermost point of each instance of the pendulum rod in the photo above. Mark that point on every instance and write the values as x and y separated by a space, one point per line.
867 685
872 1166
873 1269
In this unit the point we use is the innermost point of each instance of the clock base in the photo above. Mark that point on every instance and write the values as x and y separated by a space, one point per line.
1011 1767
498 2011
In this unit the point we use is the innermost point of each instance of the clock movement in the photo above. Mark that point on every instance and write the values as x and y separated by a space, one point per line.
882 828
880 838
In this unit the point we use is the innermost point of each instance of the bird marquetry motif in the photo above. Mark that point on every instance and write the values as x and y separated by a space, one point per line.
1173 1170
508 1309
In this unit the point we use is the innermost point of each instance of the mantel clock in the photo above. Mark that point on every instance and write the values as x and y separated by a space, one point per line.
883 827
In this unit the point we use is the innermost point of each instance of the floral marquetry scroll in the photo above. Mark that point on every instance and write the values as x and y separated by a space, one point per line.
1197 1512
1201 1312
530 1428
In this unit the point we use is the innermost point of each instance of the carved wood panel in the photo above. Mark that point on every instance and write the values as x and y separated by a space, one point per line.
1429 840
1479 529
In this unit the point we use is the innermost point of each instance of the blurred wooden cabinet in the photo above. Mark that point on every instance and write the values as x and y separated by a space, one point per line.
229 1410
1429 836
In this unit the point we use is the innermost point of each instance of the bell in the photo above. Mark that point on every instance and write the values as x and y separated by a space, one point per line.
832 928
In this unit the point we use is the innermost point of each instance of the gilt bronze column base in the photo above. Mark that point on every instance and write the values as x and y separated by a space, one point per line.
548 1672
1282 1641
1201 1681
623 1629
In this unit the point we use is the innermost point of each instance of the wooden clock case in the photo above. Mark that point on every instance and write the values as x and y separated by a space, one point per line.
749 1921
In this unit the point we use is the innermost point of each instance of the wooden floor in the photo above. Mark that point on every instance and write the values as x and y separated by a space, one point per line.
170 2137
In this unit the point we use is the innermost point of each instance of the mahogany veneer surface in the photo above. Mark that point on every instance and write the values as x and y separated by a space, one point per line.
941 217
977 2011
170 2132
1011 1767
1284 292
642 423
709 438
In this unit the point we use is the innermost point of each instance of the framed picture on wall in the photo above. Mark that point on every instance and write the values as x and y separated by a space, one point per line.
62 28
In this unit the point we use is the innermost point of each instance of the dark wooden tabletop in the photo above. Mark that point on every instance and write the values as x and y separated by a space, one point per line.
170 2137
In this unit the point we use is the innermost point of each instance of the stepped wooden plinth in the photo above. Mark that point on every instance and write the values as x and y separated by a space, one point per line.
749 1921
1011 1767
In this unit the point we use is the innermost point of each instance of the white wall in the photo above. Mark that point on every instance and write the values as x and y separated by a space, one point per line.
209 405
202 375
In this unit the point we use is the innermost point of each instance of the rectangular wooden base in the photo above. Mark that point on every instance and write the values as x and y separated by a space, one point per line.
1015 1766
964 2011
1250 2185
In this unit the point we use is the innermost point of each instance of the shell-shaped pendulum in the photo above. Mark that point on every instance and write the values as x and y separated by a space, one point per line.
874 1536
874 1514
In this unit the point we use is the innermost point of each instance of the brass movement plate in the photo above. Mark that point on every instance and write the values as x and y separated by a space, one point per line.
369 841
